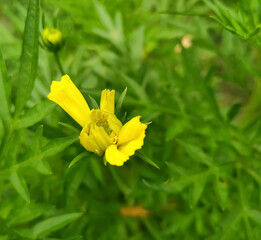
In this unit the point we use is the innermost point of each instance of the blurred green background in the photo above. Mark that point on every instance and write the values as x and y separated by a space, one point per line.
191 67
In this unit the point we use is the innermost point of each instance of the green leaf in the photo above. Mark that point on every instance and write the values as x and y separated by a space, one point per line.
57 145
221 190
94 104
120 101
255 215
26 213
37 140
50 225
234 110
35 114
42 166
147 159
136 47
74 129
96 169
122 185
73 179
78 158
197 189
11 150
196 153
4 109
29 57
2 131
177 185
175 128
20 185
135 87
229 226
104 16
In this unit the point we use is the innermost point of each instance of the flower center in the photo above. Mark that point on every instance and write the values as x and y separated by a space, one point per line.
100 119
100 131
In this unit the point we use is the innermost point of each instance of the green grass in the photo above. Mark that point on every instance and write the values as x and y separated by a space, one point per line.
199 171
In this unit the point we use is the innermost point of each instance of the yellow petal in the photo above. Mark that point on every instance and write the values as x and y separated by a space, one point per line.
89 143
132 130
95 139
101 137
114 156
129 148
114 123
107 101
70 99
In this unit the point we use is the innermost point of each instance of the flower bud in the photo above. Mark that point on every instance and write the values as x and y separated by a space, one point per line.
52 39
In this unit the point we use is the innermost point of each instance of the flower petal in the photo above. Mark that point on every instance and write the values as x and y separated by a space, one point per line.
114 156
70 99
129 148
132 130
114 123
89 143
107 101
95 139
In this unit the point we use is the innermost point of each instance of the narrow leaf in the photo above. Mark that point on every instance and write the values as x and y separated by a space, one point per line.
47 226
70 127
135 87
147 159
35 114
196 153
42 166
234 110
29 57
20 185
96 169
11 150
4 109
2 131
37 140
78 158
57 145
93 102
221 190
27 212
104 16
120 101
197 189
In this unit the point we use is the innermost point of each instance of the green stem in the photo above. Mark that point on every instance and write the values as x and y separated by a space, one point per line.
57 58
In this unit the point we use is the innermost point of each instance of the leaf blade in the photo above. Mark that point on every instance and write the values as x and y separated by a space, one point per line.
120 101
20 185
47 226
4 109
29 57
35 114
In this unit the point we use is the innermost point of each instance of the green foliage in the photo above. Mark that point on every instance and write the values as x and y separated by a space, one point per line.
29 57
192 70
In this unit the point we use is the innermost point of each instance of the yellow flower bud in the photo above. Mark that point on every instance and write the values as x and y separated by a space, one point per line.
52 39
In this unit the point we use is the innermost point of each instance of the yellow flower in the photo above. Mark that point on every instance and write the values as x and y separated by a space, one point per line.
70 99
52 38
102 132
